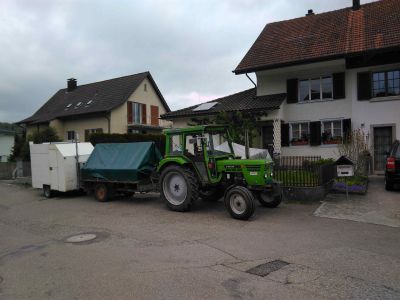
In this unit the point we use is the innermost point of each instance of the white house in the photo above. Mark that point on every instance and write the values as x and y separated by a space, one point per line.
337 71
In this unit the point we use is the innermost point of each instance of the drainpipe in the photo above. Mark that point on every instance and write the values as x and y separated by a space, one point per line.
255 85
108 117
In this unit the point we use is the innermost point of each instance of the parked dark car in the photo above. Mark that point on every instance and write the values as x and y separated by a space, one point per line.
392 174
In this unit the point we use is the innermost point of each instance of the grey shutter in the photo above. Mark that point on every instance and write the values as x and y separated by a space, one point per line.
292 90
339 85
364 86
346 128
315 133
285 135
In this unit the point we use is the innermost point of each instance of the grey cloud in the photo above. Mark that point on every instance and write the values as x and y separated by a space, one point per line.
190 47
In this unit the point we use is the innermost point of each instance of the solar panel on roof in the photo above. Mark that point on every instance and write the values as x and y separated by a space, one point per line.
205 106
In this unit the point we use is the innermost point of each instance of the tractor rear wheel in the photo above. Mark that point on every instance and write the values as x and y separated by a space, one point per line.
239 202
179 187
268 199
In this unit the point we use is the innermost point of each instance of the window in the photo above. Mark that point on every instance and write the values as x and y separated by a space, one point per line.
70 135
69 105
89 102
78 104
145 87
175 145
300 133
386 83
315 89
135 110
332 132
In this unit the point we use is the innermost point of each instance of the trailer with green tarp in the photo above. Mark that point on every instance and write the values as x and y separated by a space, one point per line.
123 167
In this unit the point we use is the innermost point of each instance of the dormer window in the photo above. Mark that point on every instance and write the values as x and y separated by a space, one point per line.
78 104
89 102
69 105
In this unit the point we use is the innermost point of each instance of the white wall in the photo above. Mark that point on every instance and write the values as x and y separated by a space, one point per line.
379 111
6 144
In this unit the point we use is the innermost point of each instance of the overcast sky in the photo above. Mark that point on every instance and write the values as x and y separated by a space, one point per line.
190 47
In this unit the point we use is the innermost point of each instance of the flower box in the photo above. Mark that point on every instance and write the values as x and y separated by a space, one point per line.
299 143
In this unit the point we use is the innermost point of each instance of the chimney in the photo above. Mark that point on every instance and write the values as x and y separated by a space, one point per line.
71 84
310 13
356 4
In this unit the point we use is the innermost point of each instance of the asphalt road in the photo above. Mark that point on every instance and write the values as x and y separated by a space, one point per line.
144 251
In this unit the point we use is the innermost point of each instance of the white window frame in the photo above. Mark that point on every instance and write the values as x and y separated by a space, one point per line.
332 129
320 88
298 122
139 105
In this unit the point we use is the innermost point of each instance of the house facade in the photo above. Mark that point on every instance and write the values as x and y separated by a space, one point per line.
338 70
129 104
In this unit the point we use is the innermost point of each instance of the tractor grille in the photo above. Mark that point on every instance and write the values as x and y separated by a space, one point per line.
253 168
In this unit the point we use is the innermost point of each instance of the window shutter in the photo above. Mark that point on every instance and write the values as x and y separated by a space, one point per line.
130 119
87 132
285 135
364 86
339 85
346 128
292 90
144 116
154 115
315 133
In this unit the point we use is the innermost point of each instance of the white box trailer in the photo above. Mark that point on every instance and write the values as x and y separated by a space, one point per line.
54 165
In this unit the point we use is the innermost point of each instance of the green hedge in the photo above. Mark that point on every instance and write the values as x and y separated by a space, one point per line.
101 138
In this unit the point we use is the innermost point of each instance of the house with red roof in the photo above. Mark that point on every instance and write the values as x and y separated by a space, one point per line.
318 77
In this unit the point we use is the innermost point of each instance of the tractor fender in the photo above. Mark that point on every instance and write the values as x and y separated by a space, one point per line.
170 161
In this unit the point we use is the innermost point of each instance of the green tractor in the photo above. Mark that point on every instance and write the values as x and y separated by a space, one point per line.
194 166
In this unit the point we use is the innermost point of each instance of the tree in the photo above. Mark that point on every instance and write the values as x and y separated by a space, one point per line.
237 121
356 147
21 144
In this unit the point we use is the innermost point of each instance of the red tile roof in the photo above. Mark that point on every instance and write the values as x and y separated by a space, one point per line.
329 35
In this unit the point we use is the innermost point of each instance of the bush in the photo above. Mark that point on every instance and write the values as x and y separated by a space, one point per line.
320 162
102 138
21 144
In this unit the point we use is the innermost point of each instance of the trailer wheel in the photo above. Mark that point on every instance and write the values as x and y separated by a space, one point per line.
269 200
239 202
102 192
179 188
47 191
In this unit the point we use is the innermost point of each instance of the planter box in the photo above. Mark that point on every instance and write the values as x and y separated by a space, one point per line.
299 143
332 142
340 187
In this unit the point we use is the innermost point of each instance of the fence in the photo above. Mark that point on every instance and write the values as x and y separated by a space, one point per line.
10 170
303 171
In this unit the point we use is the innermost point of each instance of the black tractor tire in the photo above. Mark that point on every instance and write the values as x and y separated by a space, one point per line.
239 202
268 199
47 192
211 194
179 188
102 192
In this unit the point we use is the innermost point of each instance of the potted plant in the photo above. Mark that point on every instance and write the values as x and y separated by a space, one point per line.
300 142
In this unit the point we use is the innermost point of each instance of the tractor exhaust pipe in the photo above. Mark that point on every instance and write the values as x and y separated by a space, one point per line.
246 141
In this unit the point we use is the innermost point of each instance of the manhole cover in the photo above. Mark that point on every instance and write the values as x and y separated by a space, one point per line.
80 238
267 268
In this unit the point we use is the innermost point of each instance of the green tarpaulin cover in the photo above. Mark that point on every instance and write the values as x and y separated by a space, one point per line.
121 162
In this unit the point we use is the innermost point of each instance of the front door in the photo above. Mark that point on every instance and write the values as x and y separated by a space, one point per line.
383 139
268 137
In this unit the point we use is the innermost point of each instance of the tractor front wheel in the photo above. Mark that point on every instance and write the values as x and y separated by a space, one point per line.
179 187
239 202
268 199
